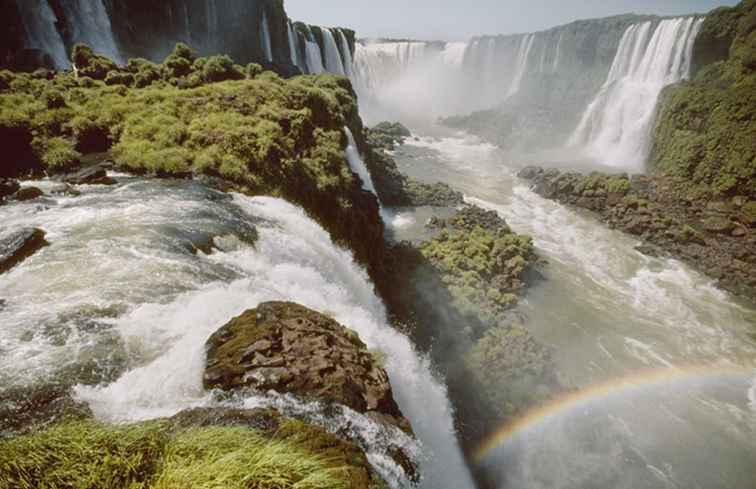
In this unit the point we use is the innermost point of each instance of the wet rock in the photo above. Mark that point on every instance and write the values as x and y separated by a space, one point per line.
16 246
64 189
438 195
91 175
8 187
710 236
288 348
387 135
28 193
34 407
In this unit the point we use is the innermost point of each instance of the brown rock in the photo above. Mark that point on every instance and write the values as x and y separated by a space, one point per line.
28 193
288 348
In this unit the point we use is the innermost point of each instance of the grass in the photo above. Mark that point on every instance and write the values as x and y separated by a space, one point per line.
152 455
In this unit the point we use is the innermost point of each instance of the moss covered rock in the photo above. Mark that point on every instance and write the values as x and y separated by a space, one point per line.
291 349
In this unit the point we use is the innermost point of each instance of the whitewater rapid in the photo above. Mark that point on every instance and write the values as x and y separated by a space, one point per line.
126 258
609 312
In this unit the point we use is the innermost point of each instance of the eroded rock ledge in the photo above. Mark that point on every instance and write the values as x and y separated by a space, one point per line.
717 237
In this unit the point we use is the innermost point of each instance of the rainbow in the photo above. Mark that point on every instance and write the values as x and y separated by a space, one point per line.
581 397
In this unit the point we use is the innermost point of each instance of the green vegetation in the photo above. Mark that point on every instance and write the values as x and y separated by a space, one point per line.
156 455
706 131
481 268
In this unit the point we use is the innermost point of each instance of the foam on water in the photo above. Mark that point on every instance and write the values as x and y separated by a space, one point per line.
295 260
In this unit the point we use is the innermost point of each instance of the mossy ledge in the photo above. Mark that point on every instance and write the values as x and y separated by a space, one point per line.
197 448
246 129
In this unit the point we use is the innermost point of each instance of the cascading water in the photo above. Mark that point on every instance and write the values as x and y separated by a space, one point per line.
294 48
90 24
144 328
357 164
265 38
558 54
41 33
522 63
314 58
347 55
615 128
333 62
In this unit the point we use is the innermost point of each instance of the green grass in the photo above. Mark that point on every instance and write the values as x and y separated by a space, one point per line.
153 455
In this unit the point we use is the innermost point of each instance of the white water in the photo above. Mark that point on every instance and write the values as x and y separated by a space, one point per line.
357 164
521 66
121 258
39 25
90 24
313 54
616 126
265 38
610 311
347 53
333 62
294 48
558 54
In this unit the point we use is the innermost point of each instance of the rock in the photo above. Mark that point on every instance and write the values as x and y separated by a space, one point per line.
739 232
8 187
28 193
291 349
91 175
530 172
16 246
25 408
438 195
388 134
64 189
716 224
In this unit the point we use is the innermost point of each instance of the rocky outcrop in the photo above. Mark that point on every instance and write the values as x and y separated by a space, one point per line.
288 348
16 246
393 187
715 236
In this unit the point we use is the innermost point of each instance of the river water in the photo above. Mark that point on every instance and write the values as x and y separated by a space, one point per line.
662 360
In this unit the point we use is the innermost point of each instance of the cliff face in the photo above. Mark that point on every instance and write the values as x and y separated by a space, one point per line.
705 135
42 33
539 83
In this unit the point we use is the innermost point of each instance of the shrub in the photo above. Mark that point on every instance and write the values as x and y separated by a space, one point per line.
119 78
89 64
53 99
220 68
60 153
253 69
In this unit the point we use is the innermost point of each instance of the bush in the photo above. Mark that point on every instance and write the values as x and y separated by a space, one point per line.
53 99
220 68
60 153
253 69
89 64
119 78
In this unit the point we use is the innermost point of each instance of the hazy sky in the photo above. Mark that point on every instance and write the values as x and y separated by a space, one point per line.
457 20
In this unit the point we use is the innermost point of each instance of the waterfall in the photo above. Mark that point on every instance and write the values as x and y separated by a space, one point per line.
131 287
615 128
347 55
358 165
90 24
522 63
313 55
265 38
379 64
333 62
41 33
294 48
454 53
558 52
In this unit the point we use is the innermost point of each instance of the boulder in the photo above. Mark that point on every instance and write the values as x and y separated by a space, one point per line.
16 246
8 187
33 407
28 193
287 348
64 189
91 175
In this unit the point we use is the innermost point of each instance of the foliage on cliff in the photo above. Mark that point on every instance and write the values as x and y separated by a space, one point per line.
159 455
197 116
706 129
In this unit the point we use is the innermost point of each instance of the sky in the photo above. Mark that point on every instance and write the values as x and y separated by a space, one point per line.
458 20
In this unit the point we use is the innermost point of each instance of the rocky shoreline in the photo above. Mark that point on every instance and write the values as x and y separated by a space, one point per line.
717 237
